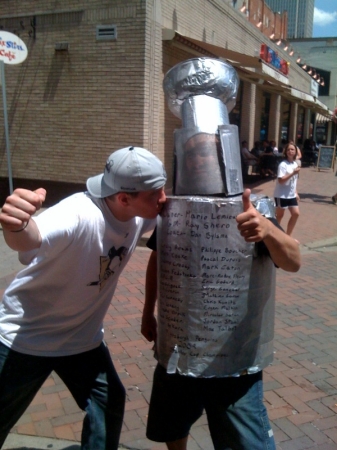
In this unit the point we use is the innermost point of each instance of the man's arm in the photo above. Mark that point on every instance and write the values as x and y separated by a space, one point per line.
247 155
20 231
283 249
149 322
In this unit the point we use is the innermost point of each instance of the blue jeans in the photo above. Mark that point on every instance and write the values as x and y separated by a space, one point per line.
90 377
237 417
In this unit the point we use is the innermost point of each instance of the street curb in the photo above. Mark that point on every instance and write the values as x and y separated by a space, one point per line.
324 245
25 442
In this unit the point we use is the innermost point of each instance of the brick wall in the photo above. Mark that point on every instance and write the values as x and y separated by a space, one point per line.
69 110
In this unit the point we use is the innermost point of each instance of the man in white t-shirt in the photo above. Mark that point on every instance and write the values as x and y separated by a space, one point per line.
51 315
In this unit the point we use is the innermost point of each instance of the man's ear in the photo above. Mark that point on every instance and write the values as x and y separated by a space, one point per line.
123 198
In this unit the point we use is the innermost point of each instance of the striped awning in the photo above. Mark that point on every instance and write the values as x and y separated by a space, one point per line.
322 119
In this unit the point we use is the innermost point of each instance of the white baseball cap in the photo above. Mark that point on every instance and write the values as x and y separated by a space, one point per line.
130 169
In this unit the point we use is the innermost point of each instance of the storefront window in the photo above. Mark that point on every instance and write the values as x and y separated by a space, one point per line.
285 121
321 133
311 125
265 111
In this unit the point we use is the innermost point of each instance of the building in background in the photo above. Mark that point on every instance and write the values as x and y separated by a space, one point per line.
272 24
300 16
319 58
92 81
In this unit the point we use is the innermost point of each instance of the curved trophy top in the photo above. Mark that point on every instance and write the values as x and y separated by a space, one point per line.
200 76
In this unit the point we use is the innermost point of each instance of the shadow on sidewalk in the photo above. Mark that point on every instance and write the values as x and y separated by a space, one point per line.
315 198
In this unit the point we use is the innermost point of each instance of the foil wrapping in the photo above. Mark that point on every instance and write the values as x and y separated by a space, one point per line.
200 76
215 291
229 137
207 163
204 112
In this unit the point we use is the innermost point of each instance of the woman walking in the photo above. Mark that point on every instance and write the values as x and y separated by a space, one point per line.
285 193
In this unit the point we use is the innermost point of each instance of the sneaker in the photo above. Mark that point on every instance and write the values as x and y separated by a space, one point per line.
334 199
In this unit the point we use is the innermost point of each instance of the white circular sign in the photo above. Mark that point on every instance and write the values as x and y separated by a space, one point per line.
12 49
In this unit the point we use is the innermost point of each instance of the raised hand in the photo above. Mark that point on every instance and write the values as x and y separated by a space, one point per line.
252 225
19 207
21 233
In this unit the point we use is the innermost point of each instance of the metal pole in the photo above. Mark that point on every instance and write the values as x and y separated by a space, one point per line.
3 83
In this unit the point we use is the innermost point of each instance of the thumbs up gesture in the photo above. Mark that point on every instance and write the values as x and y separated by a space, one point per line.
252 225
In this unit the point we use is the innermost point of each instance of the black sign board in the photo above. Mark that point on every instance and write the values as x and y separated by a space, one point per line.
326 157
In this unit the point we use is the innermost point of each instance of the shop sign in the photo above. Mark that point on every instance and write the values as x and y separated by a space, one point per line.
12 49
271 57
314 88
274 74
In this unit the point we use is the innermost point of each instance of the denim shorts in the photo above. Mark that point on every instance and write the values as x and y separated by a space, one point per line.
237 417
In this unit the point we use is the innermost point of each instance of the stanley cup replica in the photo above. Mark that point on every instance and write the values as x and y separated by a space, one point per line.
215 291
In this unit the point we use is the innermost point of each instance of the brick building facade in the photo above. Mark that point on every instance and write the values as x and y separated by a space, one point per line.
92 81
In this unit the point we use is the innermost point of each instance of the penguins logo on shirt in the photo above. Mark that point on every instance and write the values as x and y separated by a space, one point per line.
108 264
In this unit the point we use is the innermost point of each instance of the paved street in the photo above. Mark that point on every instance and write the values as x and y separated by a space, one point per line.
300 386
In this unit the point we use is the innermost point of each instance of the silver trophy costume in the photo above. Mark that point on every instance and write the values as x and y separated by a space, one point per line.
215 293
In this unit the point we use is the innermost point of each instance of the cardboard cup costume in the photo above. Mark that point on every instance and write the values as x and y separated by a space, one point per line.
216 295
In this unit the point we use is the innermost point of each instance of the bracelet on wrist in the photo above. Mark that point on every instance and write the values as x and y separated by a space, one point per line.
21 229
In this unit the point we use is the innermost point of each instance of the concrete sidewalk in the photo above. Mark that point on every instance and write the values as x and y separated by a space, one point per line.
300 386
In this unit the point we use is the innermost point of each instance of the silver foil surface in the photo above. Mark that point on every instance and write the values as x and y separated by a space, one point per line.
207 163
201 91
204 112
229 138
200 76
216 293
